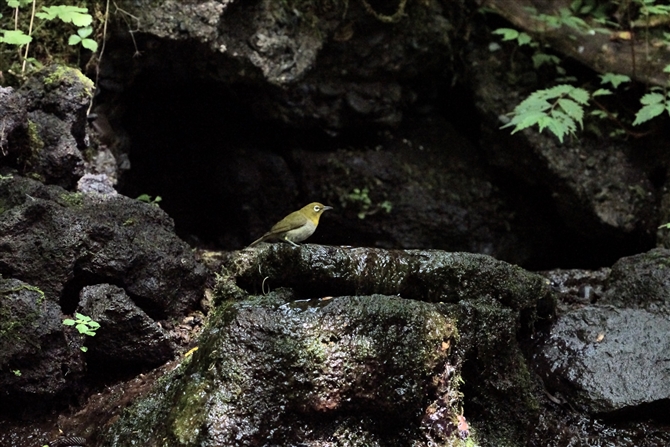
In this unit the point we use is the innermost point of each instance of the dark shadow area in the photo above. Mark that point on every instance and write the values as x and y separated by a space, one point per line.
197 145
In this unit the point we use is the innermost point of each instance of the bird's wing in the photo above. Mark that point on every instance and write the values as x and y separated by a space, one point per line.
288 224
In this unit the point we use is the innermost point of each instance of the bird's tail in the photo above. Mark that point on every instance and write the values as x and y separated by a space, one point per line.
257 241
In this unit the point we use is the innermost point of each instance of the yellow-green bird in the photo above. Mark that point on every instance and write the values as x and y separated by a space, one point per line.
297 226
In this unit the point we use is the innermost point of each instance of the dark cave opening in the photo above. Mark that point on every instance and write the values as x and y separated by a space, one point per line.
188 137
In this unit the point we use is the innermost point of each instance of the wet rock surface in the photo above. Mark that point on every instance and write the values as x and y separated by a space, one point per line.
605 359
606 355
275 372
425 275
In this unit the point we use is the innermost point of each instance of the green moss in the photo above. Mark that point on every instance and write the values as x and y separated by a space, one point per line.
35 142
12 323
72 199
189 411
62 74
36 176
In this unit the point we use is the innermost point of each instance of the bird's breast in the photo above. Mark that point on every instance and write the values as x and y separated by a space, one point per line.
301 233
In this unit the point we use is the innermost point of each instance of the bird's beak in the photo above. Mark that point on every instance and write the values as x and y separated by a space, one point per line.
326 208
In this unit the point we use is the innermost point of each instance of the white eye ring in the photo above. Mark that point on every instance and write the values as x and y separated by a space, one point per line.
317 208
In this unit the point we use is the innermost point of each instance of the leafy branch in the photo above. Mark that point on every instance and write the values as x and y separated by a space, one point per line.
558 109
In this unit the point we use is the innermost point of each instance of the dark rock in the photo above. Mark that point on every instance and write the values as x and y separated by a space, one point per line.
39 363
598 187
96 183
62 241
368 370
127 337
433 276
604 359
423 188
56 98
14 119
491 300
640 281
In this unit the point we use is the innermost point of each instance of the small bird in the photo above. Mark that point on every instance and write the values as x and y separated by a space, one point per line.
297 226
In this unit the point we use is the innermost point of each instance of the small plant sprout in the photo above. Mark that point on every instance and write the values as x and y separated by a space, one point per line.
84 324
146 198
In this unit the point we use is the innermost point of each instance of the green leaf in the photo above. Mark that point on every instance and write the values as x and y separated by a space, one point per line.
506 33
90 44
572 109
68 322
666 69
648 112
84 349
82 317
73 40
85 32
580 95
614 79
18 3
526 120
524 39
68 14
93 325
540 59
15 37
601 92
652 98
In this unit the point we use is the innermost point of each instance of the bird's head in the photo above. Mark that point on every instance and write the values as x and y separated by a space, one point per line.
314 210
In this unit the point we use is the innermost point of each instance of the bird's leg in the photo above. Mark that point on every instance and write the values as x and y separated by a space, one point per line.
291 242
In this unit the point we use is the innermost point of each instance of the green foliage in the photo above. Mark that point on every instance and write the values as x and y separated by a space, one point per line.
558 109
561 108
25 27
615 79
665 225
15 37
653 104
17 372
146 198
512 34
360 198
82 37
651 8
68 14
84 324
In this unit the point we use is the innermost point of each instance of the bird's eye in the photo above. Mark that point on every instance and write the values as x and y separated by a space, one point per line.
317 208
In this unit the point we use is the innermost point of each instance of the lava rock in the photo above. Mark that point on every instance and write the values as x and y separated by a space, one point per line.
39 362
270 372
56 99
127 336
61 242
604 359
640 281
